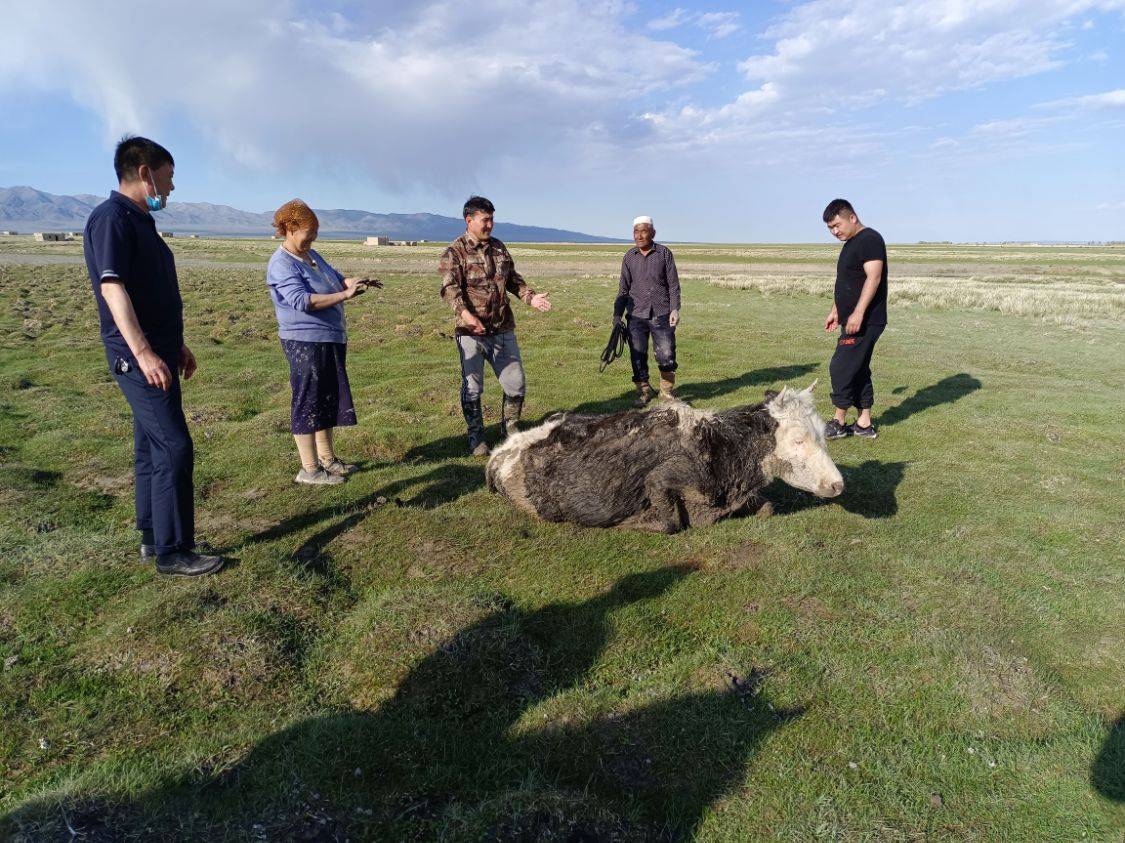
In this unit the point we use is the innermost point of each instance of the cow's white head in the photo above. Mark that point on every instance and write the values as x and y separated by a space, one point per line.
800 457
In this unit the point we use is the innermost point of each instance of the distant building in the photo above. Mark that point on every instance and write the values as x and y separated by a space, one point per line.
377 241
193 237
49 236
9 233
167 235
74 235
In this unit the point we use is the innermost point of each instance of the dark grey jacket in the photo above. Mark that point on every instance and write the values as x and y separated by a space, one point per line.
650 285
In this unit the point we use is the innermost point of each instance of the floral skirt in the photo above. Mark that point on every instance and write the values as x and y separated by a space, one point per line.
322 396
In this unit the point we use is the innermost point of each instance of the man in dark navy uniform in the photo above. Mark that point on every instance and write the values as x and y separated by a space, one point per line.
133 275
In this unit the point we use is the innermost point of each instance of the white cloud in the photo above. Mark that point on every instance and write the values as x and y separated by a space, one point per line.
914 49
715 24
719 24
421 93
827 64
1107 99
1111 206
675 18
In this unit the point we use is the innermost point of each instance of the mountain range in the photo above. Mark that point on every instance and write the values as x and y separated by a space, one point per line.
26 209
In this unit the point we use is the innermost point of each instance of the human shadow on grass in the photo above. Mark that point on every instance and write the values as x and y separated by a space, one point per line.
450 447
459 748
869 490
945 391
1107 774
441 485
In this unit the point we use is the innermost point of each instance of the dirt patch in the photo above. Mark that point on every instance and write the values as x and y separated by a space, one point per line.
435 559
999 685
741 557
220 522
105 484
808 607
139 657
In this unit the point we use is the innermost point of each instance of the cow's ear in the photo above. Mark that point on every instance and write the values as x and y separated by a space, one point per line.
770 395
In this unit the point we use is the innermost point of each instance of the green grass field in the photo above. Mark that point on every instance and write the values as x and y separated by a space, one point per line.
937 654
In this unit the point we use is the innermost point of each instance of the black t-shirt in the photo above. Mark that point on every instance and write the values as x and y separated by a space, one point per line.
866 246
121 241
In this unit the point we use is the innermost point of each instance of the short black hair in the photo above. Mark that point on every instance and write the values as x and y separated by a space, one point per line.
477 205
134 151
837 207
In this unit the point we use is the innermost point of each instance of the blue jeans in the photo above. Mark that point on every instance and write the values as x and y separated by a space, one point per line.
163 460
663 345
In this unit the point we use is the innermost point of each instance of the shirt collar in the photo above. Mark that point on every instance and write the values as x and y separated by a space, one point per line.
473 243
127 203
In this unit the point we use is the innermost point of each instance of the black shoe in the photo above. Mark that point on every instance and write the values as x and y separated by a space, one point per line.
834 430
148 551
187 563
863 432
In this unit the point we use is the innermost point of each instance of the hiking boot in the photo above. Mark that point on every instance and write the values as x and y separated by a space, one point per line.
863 432
187 563
667 386
835 430
474 422
510 414
319 477
644 394
337 467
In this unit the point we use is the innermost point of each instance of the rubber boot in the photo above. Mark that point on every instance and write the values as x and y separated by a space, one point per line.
667 385
644 394
510 414
474 421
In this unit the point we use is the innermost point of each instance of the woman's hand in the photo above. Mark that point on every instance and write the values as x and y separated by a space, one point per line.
353 287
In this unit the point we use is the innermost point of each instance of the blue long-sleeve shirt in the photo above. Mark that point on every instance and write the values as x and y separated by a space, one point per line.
292 283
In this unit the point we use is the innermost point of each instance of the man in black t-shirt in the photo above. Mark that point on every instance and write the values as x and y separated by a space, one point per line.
859 309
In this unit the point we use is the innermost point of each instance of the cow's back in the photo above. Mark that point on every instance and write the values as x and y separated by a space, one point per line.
590 469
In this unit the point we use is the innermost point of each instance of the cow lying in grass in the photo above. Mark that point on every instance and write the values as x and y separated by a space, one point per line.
664 469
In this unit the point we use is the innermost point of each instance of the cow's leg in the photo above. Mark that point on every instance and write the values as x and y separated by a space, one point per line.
667 512
757 505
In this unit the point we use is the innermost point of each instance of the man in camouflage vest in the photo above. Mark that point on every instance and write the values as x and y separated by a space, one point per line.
477 273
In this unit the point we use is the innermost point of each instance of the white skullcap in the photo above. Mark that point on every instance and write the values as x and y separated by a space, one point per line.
642 221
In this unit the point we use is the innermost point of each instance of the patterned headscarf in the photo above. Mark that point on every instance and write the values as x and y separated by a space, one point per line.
293 214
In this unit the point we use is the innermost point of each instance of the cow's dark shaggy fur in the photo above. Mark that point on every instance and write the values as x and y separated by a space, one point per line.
664 469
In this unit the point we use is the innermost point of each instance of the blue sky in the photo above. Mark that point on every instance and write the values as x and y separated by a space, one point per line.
727 122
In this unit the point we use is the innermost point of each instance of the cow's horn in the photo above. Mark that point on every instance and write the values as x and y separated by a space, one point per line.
812 386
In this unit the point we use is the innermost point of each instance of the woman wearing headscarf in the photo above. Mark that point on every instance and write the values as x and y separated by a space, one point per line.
308 296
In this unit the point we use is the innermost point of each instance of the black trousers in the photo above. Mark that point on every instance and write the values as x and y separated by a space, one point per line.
163 460
663 345
850 369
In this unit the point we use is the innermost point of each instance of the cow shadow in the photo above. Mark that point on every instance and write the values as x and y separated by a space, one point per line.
1107 774
459 746
945 391
869 490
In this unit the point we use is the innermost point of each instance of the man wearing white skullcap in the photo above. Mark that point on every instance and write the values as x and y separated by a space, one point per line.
649 293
